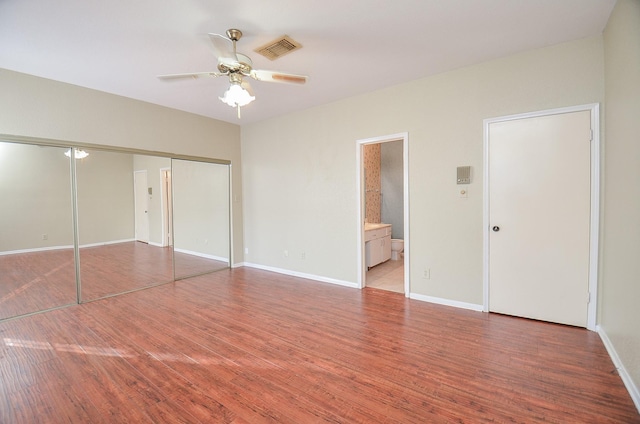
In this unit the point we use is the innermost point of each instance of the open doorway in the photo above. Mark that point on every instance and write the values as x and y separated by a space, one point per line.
383 213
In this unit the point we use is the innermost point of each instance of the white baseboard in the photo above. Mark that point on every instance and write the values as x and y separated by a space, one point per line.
446 302
622 371
301 275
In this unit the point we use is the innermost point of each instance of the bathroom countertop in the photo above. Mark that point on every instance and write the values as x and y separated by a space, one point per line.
374 226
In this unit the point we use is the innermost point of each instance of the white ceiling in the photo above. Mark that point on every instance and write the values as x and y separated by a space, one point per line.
349 46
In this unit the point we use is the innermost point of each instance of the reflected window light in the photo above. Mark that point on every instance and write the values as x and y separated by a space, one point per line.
80 154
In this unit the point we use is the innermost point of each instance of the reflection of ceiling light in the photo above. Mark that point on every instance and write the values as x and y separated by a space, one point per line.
237 96
80 154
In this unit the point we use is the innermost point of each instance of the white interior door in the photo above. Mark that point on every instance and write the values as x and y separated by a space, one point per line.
539 216
141 206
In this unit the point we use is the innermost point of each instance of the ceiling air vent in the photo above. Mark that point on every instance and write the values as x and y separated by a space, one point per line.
278 48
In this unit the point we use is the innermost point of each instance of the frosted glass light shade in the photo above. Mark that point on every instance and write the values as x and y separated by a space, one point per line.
237 96
80 154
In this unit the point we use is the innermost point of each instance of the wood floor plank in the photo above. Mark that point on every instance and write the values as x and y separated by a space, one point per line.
248 346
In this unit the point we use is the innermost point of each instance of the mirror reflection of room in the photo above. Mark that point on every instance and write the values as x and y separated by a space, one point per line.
37 270
120 223
200 217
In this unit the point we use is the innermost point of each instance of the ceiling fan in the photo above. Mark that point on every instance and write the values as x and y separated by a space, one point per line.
237 66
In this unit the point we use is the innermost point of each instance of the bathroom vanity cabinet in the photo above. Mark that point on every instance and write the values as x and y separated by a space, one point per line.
377 242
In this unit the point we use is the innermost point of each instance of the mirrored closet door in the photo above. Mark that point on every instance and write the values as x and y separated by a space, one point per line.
37 268
78 225
200 217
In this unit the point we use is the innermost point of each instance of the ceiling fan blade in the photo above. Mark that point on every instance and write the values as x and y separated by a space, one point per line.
194 75
273 76
223 49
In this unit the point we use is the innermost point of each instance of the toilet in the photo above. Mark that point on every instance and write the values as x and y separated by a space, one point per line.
397 246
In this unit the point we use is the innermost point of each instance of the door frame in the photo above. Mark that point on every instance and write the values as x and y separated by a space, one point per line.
404 137
594 109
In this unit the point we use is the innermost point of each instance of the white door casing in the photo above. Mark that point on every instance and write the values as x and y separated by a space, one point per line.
541 215
166 201
404 137
141 200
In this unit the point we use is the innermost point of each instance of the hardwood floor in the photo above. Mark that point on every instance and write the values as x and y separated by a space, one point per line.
249 346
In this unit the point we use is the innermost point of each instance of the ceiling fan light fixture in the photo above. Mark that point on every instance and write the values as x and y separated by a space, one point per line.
237 96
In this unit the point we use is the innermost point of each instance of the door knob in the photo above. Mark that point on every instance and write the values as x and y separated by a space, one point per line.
496 228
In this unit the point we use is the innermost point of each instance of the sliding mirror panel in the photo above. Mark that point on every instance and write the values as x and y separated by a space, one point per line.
37 268
200 217
120 222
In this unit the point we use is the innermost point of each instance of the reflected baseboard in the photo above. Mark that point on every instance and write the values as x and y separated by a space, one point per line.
37 249
201 255
70 246
105 243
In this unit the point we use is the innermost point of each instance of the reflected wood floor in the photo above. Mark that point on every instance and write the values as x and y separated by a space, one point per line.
250 346
36 281
120 267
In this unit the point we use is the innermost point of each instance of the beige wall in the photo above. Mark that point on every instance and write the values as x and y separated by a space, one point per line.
37 107
620 245
300 169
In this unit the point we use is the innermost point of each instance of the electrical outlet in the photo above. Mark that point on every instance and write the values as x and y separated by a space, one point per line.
45 237
246 250
426 274
285 254
303 256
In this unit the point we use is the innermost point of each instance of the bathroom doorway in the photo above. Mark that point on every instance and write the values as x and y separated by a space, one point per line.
383 213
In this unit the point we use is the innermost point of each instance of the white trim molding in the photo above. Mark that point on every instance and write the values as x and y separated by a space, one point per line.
594 108
622 371
446 302
300 275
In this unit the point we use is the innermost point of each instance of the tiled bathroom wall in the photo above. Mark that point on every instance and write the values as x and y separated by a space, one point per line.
372 182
